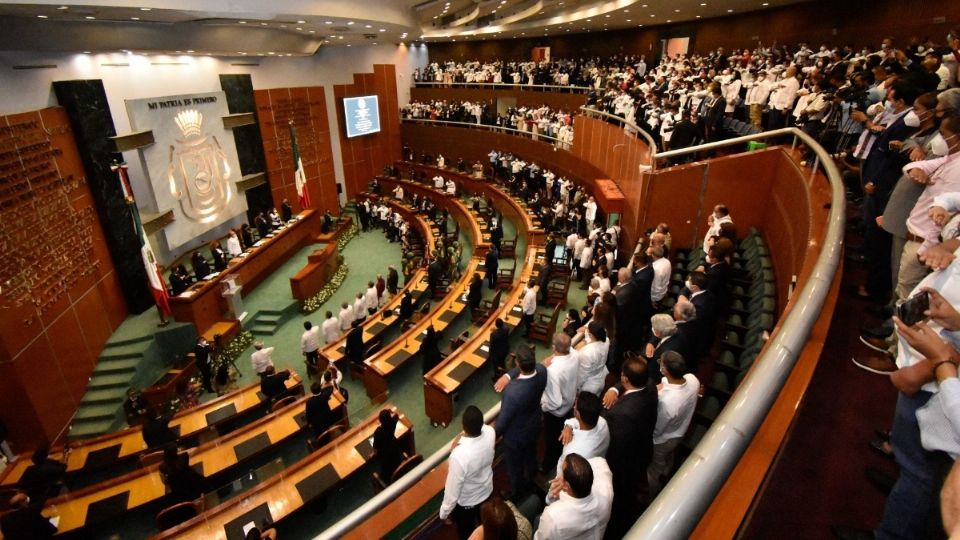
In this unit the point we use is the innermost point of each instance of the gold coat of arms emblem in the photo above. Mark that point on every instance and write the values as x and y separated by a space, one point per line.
198 171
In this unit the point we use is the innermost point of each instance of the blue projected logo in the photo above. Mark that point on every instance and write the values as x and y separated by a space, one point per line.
362 115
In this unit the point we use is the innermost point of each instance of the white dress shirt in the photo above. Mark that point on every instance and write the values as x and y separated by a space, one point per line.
593 365
561 390
331 330
346 318
590 211
586 257
589 443
714 230
529 301
371 299
675 406
580 519
469 472
661 278
261 359
310 341
233 246
359 309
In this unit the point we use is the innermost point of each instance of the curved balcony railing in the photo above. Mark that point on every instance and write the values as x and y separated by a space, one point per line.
682 503
565 89
488 127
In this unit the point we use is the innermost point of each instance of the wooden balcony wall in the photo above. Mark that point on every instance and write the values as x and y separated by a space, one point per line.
555 100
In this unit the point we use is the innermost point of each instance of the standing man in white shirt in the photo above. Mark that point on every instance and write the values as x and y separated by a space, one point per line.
590 210
676 401
310 347
661 274
469 473
359 308
261 357
558 396
585 434
720 215
529 304
331 328
783 94
346 316
579 501
371 300
593 358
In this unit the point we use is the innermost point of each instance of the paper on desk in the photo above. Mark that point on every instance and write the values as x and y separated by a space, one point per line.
247 527
485 348
516 308
55 521
208 277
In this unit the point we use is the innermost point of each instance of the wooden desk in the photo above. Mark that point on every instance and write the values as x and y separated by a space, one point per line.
442 382
112 448
165 389
510 206
452 204
216 457
202 303
321 264
392 357
340 460
379 322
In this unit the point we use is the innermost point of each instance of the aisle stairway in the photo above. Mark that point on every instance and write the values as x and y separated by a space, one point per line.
131 362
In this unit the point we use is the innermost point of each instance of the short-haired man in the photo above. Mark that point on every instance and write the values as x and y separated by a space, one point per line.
331 328
310 346
261 357
469 473
676 401
519 420
586 433
24 520
579 501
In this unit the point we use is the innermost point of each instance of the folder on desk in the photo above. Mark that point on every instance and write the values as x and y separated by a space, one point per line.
221 414
105 509
318 483
448 316
461 372
397 358
103 457
250 447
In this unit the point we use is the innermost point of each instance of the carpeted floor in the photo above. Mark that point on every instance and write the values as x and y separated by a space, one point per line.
819 479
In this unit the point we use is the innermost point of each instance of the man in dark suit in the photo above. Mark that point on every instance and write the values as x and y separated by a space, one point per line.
706 306
24 521
664 339
520 419
389 451
492 264
406 306
631 416
684 317
643 278
627 314
496 235
353 348
156 430
272 383
202 352
499 347
44 478
317 408
718 270
713 114
475 294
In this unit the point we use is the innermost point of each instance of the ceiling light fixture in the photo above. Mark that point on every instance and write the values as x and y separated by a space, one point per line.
243 22
327 22
189 51
65 7
90 17
134 18
349 23
301 22
383 29
41 16
145 9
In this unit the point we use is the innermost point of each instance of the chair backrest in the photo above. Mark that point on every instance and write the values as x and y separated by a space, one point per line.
406 466
150 458
325 437
175 515
281 403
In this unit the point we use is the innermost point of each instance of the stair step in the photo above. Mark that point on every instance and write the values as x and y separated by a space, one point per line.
108 381
89 429
93 412
128 355
131 341
106 395
110 365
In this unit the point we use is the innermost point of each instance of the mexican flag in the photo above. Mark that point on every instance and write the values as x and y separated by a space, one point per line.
300 177
155 279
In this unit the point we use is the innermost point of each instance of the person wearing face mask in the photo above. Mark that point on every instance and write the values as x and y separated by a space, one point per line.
758 91
731 92
880 171
783 94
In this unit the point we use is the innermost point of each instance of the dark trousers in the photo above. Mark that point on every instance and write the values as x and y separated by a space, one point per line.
876 248
466 520
521 460
552 448
312 359
205 376
492 277
912 509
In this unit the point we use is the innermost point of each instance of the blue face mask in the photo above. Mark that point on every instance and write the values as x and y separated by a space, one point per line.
877 93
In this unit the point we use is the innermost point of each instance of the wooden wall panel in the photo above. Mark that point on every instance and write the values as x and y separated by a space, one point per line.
49 343
365 156
306 107
859 22
529 98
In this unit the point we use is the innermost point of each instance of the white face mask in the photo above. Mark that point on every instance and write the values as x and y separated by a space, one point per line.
911 119
939 145
688 285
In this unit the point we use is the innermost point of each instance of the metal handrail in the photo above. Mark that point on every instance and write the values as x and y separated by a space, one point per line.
635 129
679 507
516 86
527 134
